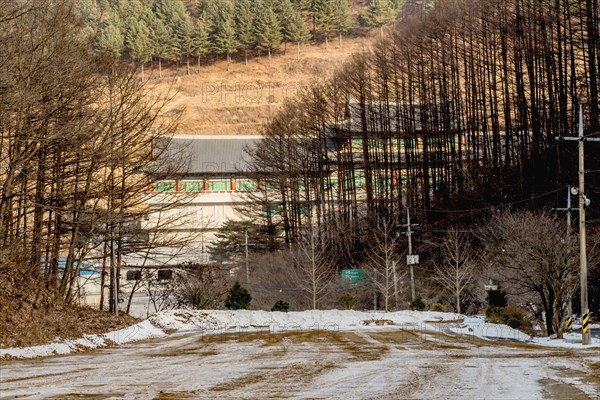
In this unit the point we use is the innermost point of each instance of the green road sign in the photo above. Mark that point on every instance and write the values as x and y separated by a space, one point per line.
355 276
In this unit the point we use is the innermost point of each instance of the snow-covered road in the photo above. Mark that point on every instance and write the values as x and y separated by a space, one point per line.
370 363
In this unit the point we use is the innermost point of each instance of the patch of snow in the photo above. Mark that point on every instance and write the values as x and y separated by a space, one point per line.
220 321
477 327
139 331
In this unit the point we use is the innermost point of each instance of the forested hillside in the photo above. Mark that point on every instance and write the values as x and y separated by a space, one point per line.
456 110
455 115
180 30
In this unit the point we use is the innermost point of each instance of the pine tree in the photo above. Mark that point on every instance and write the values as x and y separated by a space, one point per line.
244 21
341 17
304 6
201 40
220 23
312 12
177 23
129 11
285 12
185 36
90 15
378 14
297 31
268 31
88 11
306 9
397 5
238 298
230 239
139 43
325 17
225 39
110 40
164 43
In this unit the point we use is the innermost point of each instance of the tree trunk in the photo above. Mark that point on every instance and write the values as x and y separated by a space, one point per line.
395 277
298 50
340 40
159 68
187 64
548 303
270 63
103 278
111 276
457 292
387 289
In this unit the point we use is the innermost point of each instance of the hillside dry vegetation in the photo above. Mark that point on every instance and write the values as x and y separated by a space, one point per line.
248 55
22 325
242 98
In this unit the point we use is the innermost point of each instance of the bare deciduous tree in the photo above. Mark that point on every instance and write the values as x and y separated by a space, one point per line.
530 254
456 271
161 292
202 286
314 264
79 137
456 110
384 256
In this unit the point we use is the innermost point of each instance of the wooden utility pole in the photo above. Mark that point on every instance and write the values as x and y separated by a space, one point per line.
568 210
585 311
411 259
246 245
582 239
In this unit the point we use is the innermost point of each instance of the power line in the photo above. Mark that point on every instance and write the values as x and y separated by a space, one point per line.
434 230
488 208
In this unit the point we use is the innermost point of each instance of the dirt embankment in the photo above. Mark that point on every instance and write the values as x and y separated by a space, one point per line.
28 321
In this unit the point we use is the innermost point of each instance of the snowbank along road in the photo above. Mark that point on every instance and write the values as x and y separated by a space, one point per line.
255 362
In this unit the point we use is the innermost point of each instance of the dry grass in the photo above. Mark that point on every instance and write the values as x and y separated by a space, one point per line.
34 326
239 98
292 373
590 376
176 395
95 396
560 390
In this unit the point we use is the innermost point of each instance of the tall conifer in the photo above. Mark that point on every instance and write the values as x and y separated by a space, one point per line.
244 21
297 31
139 43
341 17
268 31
